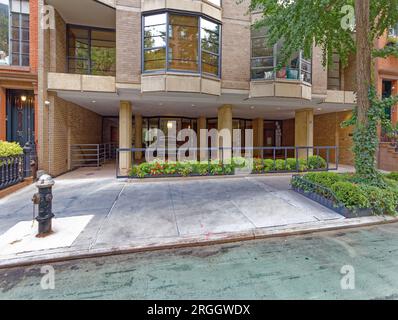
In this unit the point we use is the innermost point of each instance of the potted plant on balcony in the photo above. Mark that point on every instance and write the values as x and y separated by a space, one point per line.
392 41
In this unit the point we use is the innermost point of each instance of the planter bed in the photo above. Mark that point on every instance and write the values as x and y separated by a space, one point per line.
165 169
338 208
320 193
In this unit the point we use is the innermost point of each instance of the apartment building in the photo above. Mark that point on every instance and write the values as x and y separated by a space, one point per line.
110 70
19 70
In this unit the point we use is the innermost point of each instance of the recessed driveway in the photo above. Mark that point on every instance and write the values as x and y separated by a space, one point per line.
127 213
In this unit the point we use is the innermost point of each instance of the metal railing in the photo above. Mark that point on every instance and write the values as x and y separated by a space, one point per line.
11 171
301 155
91 155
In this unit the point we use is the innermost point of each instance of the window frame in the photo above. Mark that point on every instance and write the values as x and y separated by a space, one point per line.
166 68
89 40
14 12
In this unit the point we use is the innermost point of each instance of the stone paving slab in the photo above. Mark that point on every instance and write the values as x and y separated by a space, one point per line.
128 213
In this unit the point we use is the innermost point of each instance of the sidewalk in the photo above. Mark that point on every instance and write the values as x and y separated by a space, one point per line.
98 215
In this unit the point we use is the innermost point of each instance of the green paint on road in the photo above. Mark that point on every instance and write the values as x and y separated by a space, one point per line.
303 267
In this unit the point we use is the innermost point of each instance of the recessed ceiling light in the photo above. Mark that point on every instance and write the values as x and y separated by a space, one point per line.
94 101
161 104
47 103
345 109
319 109
252 107
193 105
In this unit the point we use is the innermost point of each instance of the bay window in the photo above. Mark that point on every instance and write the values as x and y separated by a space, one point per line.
181 43
266 62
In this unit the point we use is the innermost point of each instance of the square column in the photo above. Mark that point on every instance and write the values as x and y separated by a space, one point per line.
202 125
125 136
304 131
138 136
225 129
258 135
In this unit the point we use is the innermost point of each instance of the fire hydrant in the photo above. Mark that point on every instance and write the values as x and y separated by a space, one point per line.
44 199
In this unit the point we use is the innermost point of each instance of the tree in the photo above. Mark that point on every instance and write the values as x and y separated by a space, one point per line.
344 27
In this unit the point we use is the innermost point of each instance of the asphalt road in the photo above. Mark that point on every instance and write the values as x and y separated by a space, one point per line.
303 267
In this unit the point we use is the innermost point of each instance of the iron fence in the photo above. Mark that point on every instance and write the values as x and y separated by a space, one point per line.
11 171
301 155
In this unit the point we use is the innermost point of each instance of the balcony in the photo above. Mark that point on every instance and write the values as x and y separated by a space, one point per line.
268 78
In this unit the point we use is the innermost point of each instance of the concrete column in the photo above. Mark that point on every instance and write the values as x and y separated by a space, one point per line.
201 125
225 129
125 135
304 131
258 135
138 135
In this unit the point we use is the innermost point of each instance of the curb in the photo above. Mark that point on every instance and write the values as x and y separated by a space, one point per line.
200 241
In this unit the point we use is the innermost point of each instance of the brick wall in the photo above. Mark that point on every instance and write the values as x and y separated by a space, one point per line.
34 35
69 124
328 132
236 45
128 42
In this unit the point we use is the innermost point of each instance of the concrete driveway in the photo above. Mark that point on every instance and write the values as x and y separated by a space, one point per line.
132 213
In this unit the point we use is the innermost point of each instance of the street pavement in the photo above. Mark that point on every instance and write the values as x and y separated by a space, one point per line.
299 267
140 214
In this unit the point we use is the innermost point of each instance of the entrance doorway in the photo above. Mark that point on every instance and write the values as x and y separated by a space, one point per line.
20 116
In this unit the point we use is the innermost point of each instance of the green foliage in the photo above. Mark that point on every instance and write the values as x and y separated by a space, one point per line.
301 23
366 140
392 176
353 195
9 149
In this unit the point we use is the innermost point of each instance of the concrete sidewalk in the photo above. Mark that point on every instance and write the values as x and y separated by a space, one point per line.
125 216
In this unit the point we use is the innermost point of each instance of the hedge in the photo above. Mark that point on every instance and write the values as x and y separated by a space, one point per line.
352 195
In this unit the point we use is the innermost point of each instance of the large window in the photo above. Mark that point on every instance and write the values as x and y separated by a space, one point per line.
91 51
14 32
265 59
185 43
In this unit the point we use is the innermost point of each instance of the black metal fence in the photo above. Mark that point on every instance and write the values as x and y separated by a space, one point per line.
11 171
302 156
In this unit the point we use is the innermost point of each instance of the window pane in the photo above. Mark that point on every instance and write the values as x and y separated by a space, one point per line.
183 43
155 59
155 19
25 47
25 34
210 63
103 60
210 40
154 42
153 31
263 62
15 33
25 60
4 27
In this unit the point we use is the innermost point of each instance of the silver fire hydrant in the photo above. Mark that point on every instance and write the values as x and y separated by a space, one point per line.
44 200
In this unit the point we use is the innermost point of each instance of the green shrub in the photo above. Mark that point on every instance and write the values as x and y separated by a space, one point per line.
392 176
9 149
316 162
382 201
351 195
326 179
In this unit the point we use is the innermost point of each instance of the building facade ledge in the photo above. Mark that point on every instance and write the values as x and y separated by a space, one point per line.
78 82
280 88
180 82
201 7
339 96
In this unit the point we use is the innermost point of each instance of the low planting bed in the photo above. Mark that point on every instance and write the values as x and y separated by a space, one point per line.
160 168
347 196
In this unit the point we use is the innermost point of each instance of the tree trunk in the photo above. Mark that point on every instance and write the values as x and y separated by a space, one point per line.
364 58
